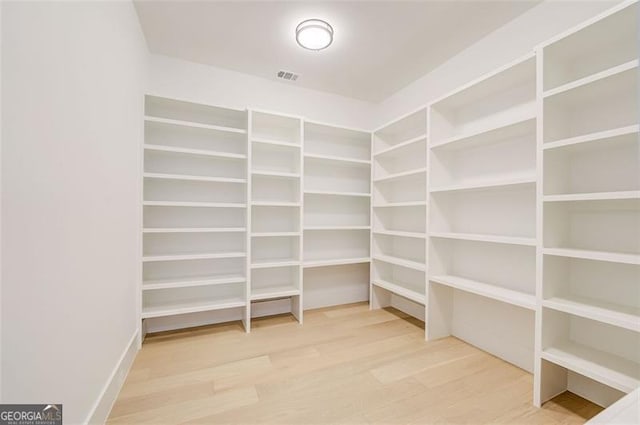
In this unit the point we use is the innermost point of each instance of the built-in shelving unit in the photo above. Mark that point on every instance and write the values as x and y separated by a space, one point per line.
399 175
276 181
337 198
589 202
482 213
194 208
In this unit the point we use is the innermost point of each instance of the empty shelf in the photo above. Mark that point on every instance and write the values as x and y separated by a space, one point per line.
273 234
597 196
401 145
275 142
494 292
197 152
400 176
400 262
336 158
417 235
314 228
492 134
335 262
194 124
275 204
401 290
611 370
193 204
274 292
267 264
401 204
613 314
275 174
333 193
592 137
481 185
195 306
593 78
186 282
485 238
614 257
205 256
193 229
193 178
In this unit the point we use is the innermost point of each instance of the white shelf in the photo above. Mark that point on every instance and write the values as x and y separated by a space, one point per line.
335 262
482 185
400 262
609 369
399 176
273 234
274 292
194 125
268 264
332 193
191 307
197 152
511 240
417 235
193 178
193 204
205 256
599 196
188 282
592 78
275 204
401 204
613 314
320 228
401 145
593 137
494 292
275 174
337 158
275 142
614 257
496 132
193 229
401 290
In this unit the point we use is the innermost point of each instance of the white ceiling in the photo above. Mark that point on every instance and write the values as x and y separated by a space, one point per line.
379 46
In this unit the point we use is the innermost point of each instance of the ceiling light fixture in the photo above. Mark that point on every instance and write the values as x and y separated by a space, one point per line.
314 34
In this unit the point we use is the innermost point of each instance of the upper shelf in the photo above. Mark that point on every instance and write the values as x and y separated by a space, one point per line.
408 129
190 114
327 142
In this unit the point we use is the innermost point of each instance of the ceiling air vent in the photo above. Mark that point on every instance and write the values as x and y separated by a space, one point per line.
288 75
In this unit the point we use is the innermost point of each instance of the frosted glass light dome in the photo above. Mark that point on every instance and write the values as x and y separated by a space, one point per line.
314 34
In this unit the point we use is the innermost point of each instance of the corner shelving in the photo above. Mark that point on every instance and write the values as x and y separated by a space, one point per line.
398 237
337 198
482 213
589 336
194 252
275 238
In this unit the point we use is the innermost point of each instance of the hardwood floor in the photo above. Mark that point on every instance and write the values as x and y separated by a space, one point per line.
346 365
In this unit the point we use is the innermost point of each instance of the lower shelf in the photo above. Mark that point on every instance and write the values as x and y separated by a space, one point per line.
611 370
494 292
267 264
171 309
274 292
335 262
186 282
401 290
615 257
400 262
624 317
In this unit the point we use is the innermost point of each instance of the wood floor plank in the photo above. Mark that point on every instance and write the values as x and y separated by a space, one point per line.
347 365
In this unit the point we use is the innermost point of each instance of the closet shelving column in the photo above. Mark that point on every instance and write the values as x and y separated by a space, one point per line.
399 211
337 204
276 167
589 338
194 208
482 213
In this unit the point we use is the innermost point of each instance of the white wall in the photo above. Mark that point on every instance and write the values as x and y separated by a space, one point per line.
507 43
73 76
185 80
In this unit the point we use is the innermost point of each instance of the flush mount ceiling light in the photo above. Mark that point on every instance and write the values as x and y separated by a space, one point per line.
314 34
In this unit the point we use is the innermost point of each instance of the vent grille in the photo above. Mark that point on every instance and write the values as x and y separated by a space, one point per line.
288 75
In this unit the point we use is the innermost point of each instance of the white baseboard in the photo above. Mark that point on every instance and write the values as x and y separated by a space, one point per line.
102 407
